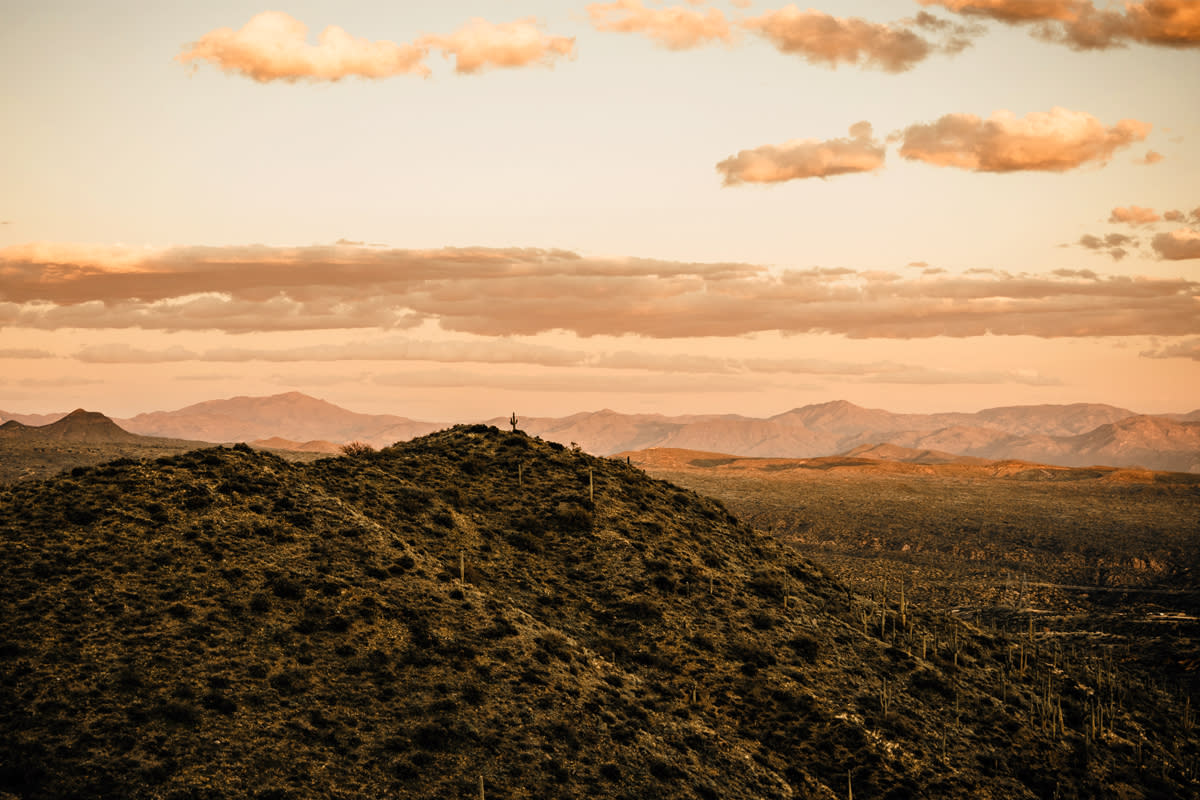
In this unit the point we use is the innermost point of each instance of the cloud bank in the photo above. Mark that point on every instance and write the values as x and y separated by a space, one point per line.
1054 141
516 292
805 158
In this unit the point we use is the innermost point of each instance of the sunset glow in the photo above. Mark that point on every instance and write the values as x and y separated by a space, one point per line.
453 210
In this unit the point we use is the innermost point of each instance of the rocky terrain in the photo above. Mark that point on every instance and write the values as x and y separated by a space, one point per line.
482 613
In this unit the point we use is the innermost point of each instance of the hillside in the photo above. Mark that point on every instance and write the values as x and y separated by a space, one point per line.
477 608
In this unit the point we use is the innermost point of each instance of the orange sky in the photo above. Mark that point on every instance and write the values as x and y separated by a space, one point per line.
691 207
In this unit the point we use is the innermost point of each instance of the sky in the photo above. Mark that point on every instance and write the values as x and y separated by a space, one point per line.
453 210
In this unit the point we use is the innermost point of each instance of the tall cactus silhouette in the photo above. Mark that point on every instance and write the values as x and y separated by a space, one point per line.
513 421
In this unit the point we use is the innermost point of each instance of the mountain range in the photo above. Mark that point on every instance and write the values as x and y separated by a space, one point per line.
1080 434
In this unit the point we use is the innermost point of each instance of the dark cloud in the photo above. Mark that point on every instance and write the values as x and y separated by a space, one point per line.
1178 245
1115 244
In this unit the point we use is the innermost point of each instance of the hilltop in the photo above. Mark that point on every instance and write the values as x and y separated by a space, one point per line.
481 607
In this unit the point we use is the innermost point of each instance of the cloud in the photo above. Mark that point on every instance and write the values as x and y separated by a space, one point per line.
481 45
24 352
937 377
510 352
1189 348
568 381
1053 141
1178 245
674 27
1151 157
1081 25
1134 215
484 351
49 383
805 158
272 46
823 39
520 292
1114 244
1174 216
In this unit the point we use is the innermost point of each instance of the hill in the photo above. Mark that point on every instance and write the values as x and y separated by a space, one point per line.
293 415
480 612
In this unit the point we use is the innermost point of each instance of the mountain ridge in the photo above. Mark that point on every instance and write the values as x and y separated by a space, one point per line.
1072 434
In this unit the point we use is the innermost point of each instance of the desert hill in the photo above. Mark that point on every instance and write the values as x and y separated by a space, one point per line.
480 608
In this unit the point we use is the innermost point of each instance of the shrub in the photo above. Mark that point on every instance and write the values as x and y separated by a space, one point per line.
572 517
356 449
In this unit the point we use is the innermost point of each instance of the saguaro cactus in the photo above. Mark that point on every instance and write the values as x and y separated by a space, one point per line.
513 421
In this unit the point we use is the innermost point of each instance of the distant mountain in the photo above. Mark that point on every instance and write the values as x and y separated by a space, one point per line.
79 426
600 432
1079 434
1144 441
753 437
31 419
79 439
313 446
293 416
1051 420
908 455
